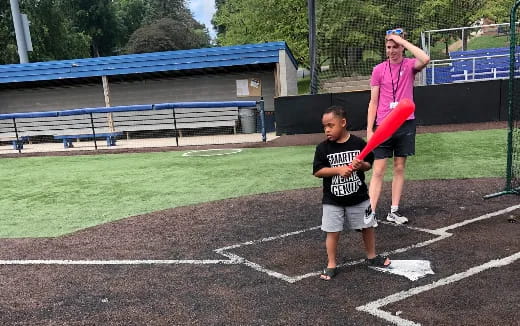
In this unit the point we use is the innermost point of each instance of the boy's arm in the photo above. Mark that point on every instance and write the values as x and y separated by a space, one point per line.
343 171
361 165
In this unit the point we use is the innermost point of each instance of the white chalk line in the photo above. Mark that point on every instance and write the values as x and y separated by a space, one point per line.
235 259
373 307
258 267
292 279
119 262
224 252
276 237
480 218
441 234
213 152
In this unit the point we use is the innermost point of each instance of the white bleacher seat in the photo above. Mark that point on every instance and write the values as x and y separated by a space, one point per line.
185 118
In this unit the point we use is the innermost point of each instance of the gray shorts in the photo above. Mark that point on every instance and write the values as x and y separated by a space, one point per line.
356 217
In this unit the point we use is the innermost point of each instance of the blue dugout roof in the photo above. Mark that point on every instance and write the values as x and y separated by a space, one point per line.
196 59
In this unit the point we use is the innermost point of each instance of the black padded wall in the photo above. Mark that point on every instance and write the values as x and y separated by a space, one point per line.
437 104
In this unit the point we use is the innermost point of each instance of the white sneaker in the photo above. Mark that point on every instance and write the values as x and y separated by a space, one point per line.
373 214
396 217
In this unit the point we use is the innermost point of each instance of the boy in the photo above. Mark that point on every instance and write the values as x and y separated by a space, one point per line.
345 194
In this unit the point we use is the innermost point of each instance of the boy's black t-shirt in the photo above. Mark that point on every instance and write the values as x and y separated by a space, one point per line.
338 190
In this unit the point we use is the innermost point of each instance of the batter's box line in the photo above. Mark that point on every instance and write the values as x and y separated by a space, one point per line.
293 279
373 307
234 259
441 234
122 262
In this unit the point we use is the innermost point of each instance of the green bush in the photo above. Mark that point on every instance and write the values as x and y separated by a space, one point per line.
304 86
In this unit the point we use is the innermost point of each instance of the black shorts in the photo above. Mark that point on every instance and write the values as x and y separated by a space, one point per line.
401 144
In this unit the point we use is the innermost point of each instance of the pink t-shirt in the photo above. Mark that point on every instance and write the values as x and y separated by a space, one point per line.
403 85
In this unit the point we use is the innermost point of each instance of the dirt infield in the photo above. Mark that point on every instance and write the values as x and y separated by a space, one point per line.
253 261
201 286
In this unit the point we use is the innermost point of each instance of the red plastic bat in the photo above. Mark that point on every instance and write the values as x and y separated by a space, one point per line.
388 126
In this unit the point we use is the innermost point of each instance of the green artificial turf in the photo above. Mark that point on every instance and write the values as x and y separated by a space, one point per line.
460 155
51 196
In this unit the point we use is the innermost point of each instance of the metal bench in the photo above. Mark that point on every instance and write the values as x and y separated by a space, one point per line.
68 139
10 134
66 128
16 142
181 118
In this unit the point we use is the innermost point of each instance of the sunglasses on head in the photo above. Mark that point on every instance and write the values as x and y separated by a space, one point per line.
397 31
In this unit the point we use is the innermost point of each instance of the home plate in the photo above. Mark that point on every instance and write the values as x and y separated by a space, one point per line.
411 269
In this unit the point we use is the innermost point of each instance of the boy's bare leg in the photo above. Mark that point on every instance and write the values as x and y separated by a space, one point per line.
369 239
332 248
376 182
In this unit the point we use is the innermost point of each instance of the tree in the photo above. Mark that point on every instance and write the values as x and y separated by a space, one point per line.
496 10
166 35
221 29
65 29
8 52
130 16
174 9
51 33
255 21
440 14
343 41
97 19
168 25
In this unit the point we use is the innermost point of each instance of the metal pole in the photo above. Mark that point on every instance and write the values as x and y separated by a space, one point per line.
433 73
312 46
18 147
509 164
423 43
93 130
512 57
174 126
463 39
473 67
429 42
19 31
262 119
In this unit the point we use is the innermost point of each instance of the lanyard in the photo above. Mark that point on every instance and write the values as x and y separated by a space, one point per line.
394 90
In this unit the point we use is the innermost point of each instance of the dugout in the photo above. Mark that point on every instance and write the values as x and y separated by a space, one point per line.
209 74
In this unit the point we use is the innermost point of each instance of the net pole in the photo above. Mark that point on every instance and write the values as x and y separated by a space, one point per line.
512 56
312 46
512 48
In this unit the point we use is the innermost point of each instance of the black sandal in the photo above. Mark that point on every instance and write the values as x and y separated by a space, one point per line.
328 273
378 261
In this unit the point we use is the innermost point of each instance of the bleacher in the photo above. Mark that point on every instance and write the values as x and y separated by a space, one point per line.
479 64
